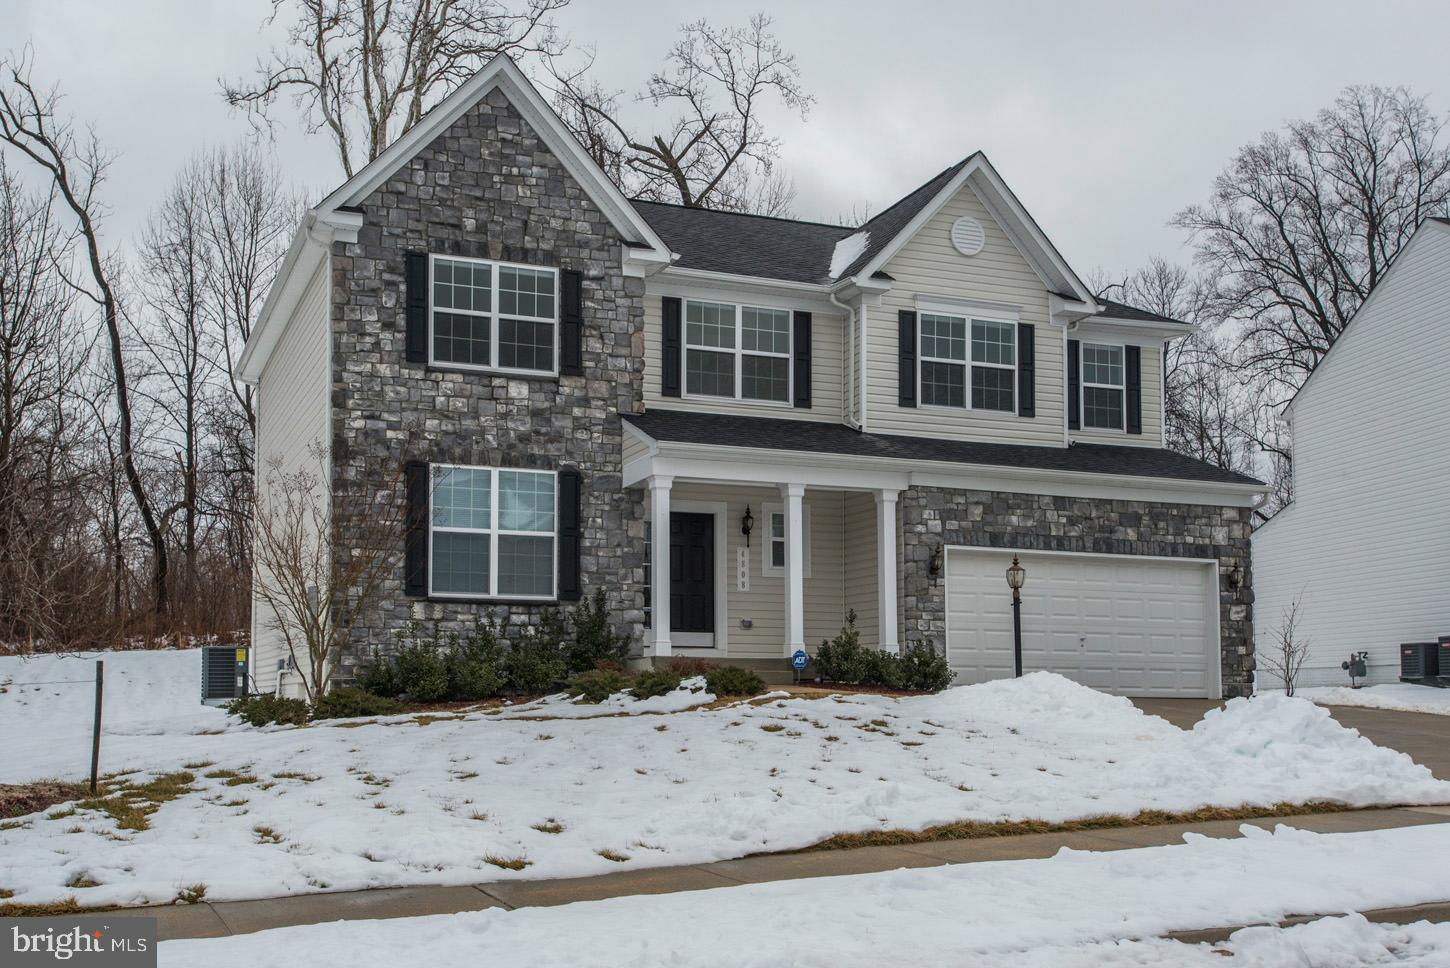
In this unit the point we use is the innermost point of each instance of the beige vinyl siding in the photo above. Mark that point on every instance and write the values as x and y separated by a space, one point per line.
860 564
826 369
928 265
1151 376
1363 547
764 603
293 412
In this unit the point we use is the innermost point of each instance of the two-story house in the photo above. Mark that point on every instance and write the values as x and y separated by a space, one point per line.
742 427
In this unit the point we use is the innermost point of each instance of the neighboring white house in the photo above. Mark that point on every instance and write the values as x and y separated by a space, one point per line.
1365 545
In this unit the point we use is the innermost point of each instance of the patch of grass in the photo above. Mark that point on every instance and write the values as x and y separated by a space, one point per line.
231 777
615 856
977 830
82 879
6 894
54 909
14 824
20 799
62 813
266 835
772 727
544 736
465 776
190 895
478 815
294 775
200 765
238 802
507 863
131 805
550 826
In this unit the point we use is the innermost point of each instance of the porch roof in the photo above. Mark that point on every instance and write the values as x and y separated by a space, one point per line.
819 437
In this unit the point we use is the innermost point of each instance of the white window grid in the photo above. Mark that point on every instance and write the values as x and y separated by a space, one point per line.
492 314
494 532
737 313
1085 384
967 361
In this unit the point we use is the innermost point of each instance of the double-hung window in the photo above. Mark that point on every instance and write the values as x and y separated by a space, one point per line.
493 315
492 533
737 352
1102 386
957 352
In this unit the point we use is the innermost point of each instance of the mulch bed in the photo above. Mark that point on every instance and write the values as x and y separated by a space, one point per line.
19 799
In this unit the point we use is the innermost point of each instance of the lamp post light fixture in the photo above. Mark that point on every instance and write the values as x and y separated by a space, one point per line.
1016 577
747 525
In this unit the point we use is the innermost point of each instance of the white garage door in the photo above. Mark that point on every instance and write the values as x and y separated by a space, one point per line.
1131 626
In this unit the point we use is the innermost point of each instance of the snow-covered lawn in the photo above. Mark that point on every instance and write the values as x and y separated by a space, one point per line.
468 798
1403 696
1074 909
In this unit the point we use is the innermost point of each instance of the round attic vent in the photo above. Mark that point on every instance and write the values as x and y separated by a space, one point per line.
967 235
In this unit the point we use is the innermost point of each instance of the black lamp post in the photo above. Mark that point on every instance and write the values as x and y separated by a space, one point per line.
1016 575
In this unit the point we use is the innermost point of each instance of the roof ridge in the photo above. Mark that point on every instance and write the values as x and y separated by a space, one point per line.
724 211
900 201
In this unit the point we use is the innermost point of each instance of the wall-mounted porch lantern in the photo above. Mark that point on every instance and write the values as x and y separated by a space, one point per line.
935 564
747 525
1236 576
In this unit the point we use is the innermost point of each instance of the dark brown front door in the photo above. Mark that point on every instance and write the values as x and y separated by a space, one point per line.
692 573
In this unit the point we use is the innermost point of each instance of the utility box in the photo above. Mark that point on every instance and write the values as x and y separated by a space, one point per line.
1419 661
223 674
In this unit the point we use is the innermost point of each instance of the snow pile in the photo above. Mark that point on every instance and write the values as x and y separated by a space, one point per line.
847 251
47 703
1403 696
464 799
691 693
1062 912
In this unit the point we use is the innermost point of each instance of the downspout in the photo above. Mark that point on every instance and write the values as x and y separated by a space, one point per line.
851 318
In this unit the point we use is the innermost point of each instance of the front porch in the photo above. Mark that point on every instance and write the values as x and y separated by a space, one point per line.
818 546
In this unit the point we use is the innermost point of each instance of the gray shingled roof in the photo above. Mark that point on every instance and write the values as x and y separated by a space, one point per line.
888 225
745 245
1117 310
813 436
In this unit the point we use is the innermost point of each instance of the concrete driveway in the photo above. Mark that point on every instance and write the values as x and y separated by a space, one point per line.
1426 738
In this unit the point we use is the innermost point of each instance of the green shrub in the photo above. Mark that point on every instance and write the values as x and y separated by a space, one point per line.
264 709
885 669
733 681
596 685
381 676
926 668
349 701
594 640
422 673
474 665
844 659
654 682
537 660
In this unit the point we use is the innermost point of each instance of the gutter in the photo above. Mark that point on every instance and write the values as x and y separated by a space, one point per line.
851 319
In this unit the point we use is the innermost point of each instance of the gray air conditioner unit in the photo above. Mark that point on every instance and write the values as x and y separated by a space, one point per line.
223 674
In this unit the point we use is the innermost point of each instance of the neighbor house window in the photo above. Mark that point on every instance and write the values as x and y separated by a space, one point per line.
739 352
1102 386
491 532
772 549
957 353
493 315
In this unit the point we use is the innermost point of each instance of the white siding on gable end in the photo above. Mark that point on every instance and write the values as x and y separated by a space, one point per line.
929 265
1365 546
293 412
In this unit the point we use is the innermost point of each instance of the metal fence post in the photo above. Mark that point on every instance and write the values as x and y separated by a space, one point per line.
96 727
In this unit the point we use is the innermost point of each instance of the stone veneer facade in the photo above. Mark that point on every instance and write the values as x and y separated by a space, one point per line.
932 516
489 187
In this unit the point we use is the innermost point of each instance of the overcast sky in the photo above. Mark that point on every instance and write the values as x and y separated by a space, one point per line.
1104 117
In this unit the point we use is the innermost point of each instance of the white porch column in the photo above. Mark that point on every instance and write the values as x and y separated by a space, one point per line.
659 573
886 568
795 568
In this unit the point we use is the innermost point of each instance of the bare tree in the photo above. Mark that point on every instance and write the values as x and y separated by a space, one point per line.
716 152
1288 650
1304 222
75 165
321 557
367 70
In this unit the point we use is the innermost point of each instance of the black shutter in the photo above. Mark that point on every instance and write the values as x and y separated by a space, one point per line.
415 297
1133 372
670 347
906 358
1026 370
570 587
415 542
571 323
802 353
1074 387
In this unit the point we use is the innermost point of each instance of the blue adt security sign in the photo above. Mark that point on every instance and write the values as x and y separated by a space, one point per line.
798 660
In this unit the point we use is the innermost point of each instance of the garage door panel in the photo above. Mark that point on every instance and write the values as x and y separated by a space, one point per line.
1126 625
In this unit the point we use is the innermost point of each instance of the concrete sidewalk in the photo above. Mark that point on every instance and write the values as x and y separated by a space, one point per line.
209 920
